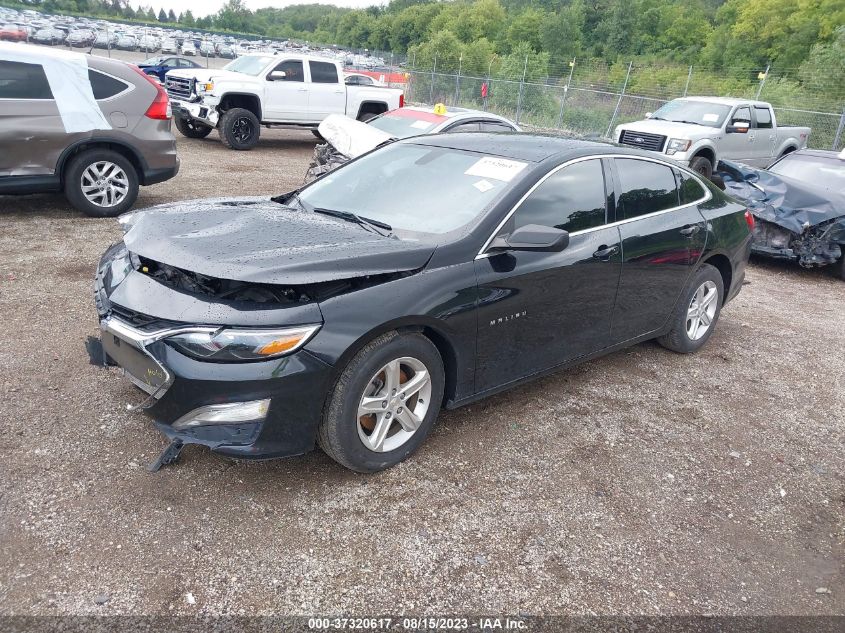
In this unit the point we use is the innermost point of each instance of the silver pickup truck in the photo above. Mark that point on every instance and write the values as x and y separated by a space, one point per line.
700 131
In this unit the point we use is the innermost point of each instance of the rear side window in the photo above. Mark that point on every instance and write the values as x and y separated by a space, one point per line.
644 187
764 117
471 126
104 86
689 189
495 126
23 81
323 73
572 199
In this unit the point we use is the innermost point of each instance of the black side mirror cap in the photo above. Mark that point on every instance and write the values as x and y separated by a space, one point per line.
532 237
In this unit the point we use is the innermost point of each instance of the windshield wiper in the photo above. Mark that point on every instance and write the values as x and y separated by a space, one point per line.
373 225
691 123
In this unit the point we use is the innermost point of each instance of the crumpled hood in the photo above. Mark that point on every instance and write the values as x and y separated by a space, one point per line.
257 240
350 137
789 203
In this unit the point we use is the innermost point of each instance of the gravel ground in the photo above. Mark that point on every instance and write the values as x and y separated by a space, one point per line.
642 483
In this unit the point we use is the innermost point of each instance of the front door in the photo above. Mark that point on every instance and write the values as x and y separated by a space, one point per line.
326 95
663 235
738 145
287 97
538 309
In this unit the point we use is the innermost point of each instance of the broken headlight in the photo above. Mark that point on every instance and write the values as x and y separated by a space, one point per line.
233 345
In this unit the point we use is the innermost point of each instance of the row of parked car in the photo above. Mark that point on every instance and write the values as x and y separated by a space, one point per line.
799 201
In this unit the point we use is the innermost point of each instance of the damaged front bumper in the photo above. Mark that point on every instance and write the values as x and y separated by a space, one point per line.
816 246
204 110
249 410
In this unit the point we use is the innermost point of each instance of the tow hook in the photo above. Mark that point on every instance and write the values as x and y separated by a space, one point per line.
169 455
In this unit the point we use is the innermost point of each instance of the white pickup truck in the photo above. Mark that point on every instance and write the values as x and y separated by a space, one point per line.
700 131
270 90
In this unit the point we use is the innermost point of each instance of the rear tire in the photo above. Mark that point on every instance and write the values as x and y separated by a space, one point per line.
697 312
191 129
702 166
400 378
96 177
239 129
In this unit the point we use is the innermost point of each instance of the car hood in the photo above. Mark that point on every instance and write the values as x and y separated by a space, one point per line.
258 240
670 129
791 204
206 74
350 137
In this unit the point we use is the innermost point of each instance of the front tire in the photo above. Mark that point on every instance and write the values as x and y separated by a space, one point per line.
191 129
702 166
101 183
697 312
384 403
239 129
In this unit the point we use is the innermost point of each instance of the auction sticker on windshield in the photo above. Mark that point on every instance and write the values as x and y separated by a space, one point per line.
496 168
710 118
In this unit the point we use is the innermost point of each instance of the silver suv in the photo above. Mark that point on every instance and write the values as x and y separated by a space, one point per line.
54 136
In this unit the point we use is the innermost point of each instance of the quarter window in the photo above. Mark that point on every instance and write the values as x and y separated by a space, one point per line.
23 81
292 69
645 187
104 86
495 126
572 199
323 73
764 117
688 188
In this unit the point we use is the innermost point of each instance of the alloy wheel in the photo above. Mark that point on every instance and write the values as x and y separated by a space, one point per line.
702 309
242 130
395 402
104 184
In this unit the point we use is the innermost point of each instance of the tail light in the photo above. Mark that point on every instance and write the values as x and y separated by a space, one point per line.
749 220
402 100
160 107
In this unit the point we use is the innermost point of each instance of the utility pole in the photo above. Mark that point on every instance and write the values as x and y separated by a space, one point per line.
521 90
762 81
689 77
431 92
565 92
458 81
619 103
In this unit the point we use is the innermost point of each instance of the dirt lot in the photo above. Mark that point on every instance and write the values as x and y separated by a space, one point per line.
642 483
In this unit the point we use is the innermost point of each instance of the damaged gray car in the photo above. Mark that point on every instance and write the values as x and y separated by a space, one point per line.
798 204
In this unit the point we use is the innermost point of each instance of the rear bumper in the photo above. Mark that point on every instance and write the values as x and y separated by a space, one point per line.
153 176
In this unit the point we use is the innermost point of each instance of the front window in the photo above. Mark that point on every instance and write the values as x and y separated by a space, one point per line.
405 122
415 188
249 64
828 173
695 112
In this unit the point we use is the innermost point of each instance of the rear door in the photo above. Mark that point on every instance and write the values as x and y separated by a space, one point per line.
326 93
663 235
32 135
537 310
287 97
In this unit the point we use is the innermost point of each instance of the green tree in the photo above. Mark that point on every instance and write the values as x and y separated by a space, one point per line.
162 16
171 16
187 18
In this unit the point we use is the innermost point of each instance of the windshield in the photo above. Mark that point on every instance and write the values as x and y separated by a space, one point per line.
249 64
404 122
415 187
828 173
698 112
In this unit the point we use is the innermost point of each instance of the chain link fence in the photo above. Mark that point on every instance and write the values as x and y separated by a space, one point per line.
590 98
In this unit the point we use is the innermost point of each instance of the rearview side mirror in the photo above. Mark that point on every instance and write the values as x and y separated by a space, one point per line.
648 115
532 237
738 127
276 75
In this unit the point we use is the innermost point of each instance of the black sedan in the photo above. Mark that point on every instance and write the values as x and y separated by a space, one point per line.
432 272
158 66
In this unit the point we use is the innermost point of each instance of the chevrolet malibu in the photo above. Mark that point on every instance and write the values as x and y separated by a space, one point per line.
429 273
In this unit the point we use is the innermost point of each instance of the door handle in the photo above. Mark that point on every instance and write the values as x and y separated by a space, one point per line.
689 231
606 252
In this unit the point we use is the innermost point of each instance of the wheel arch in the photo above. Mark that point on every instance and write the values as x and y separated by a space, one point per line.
122 148
244 100
705 151
722 263
371 107
433 329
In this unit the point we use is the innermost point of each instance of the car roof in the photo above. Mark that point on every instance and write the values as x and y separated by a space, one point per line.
517 146
728 101
821 153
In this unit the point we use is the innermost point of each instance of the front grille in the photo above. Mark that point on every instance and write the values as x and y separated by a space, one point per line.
143 322
179 87
643 140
